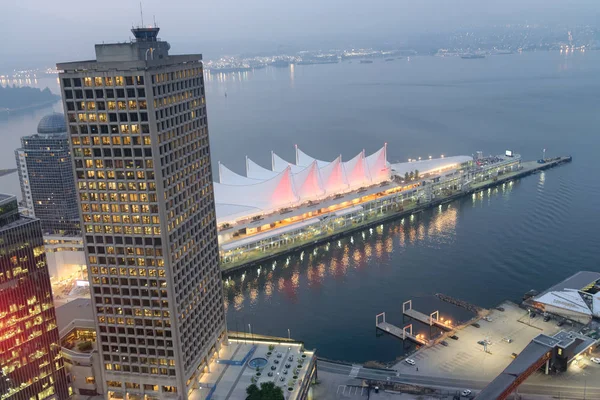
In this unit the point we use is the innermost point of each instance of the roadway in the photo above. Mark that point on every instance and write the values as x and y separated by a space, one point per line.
538 384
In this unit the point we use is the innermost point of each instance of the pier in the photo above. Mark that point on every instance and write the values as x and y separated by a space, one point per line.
403 334
432 319
378 215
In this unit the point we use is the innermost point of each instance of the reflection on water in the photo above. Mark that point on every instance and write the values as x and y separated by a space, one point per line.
362 250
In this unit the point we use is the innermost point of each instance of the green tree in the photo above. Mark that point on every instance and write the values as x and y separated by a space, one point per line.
406 176
267 391
412 175
416 174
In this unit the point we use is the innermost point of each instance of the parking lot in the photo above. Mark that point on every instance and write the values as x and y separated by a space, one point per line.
465 358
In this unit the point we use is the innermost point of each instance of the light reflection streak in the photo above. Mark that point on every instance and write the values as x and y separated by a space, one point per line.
325 261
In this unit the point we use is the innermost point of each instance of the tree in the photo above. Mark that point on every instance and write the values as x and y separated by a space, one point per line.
267 391
412 175
416 174
406 176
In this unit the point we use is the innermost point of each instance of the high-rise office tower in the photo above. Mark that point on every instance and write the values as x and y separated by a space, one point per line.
46 175
137 121
30 359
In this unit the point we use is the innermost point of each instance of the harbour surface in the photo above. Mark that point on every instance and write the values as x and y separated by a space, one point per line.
482 249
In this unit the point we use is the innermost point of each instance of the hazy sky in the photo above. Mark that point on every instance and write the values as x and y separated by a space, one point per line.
67 29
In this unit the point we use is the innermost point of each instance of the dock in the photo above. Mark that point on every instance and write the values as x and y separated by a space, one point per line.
527 168
402 334
431 319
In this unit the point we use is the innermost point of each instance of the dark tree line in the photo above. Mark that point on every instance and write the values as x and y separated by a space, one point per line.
13 97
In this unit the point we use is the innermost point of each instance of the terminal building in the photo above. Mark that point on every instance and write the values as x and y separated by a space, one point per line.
576 298
269 211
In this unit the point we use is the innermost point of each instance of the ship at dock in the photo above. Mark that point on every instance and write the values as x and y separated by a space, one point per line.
472 56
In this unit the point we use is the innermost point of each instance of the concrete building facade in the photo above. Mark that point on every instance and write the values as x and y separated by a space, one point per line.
137 122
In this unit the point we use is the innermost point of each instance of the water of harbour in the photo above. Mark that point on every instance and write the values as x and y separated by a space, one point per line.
485 249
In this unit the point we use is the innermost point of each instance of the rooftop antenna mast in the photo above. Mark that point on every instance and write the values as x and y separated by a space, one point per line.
142 14
154 18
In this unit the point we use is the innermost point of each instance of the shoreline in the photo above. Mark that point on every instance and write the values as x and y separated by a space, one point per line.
37 106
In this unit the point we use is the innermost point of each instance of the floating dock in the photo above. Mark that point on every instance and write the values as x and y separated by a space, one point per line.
402 334
431 319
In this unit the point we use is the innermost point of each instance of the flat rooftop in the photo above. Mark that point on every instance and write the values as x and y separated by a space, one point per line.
231 374
577 281
78 309
465 358
4 197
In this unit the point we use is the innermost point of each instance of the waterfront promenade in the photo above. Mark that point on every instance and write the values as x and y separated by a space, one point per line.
408 208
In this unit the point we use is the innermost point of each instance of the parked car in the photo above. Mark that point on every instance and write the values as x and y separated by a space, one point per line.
410 361
500 308
481 342
532 314
454 337
595 360
488 319
560 323
547 318
444 343
466 393
507 340
476 325
514 355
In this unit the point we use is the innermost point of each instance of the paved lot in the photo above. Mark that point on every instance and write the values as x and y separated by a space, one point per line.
465 358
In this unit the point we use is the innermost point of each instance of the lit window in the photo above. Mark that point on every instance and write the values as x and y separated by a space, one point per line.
87 81
90 379
102 117
98 81
119 81
92 117
108 81
112 105
124 128
132 104
135 128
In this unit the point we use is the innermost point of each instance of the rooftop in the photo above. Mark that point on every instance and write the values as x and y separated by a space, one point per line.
76 310
579 281
52 124
234 370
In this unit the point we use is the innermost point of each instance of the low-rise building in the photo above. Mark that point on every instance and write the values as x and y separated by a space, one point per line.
79 347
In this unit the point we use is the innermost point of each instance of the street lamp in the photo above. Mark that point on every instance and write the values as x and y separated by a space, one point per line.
289 335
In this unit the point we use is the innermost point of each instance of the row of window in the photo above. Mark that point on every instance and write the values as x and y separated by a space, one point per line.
106 81
138 241
110 117
103 106
91 94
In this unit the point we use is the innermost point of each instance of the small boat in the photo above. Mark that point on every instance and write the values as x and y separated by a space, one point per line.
366 62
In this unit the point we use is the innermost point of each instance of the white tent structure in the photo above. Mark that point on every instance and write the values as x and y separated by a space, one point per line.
265 190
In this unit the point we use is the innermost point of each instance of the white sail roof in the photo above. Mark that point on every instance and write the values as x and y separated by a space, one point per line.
288 185
334 177
255 171
268 195
308 184
279 164
357 171
228 177
305 160
378 166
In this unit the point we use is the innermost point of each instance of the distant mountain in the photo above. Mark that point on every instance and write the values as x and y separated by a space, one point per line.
14 98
